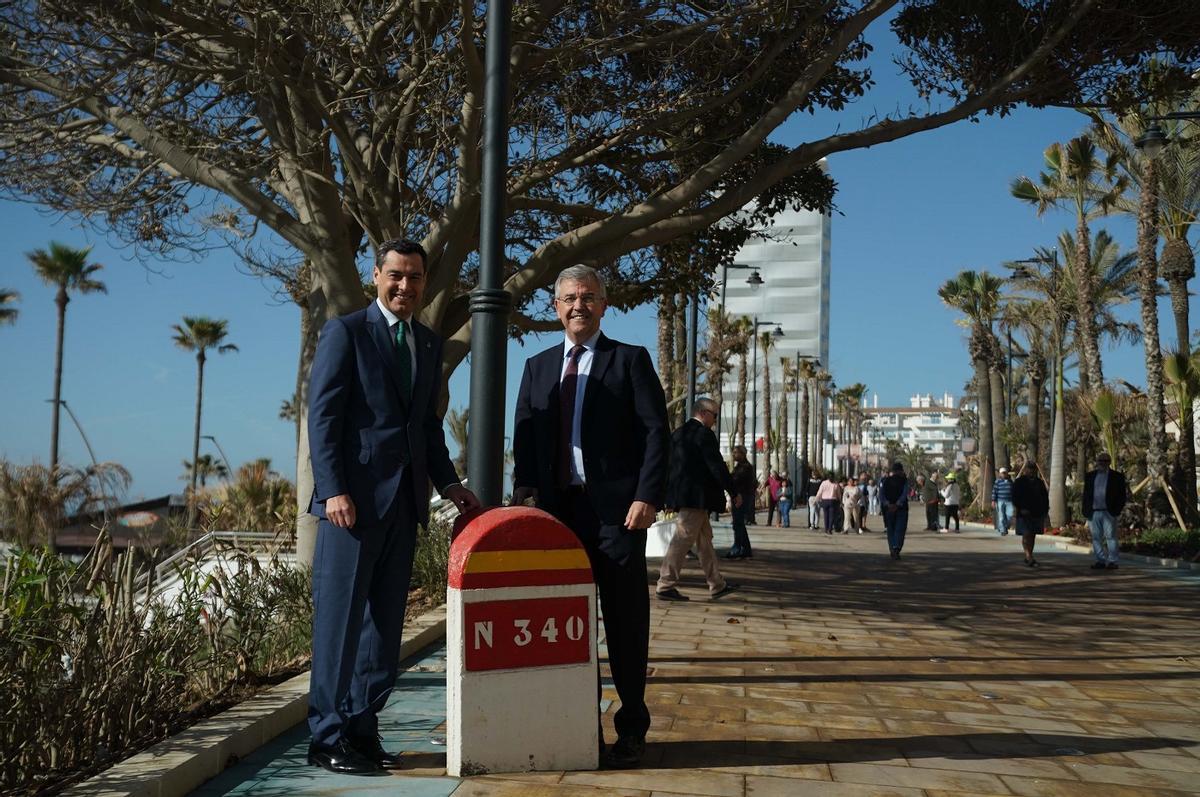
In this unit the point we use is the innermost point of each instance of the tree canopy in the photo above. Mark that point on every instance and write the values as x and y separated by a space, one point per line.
338 124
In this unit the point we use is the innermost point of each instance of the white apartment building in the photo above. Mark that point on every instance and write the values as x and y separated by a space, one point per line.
792 257
927 421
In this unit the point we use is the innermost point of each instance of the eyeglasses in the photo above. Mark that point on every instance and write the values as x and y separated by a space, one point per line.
588 299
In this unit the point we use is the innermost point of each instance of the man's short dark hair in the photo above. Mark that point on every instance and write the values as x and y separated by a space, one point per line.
401 246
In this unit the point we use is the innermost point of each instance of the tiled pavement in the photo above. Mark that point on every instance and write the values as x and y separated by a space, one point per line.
836 671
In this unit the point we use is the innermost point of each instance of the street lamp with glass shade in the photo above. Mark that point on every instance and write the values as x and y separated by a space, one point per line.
1152 140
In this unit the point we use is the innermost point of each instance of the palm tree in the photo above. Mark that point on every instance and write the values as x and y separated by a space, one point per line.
743 332
458 423
1077 178
789 381
206 465
67 269
977 295
852 399
8 306
1168 200
199 334
35 501
766 342
806 372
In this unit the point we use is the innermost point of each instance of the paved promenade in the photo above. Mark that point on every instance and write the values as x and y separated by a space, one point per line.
836 671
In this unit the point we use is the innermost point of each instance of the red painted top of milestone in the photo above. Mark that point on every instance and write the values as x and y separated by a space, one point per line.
539 543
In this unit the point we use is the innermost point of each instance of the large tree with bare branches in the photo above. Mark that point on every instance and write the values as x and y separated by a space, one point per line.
336 125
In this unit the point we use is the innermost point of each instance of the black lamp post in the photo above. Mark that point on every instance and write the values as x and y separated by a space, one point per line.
490 303
755 281
778 333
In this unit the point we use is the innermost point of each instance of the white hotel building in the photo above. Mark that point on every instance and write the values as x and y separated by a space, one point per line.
792 257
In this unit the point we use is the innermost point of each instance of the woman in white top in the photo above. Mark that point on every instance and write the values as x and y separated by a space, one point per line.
852 507
952 496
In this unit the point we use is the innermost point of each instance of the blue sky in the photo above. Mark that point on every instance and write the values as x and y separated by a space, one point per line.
912 213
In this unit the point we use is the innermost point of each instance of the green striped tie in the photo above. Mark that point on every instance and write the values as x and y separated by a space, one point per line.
404 358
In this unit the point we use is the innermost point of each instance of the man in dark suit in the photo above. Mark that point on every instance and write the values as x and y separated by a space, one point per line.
697 485
1104 495
590 447
376 444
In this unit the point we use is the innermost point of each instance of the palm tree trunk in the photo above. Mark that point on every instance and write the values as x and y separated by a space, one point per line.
996 386
766 388
666 342
1147 242
679 374
739 430
1179 309
804 426
196 435
1036 389
1179 267
60 301
1082 445
1058 455
781 456
1089 337
983 390
311 318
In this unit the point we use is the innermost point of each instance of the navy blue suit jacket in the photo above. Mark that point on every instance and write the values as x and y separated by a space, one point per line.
624 431
361 432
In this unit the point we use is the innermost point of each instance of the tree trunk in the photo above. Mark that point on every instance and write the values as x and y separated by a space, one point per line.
1086 290
679 374
60 301
781 455
766 416
1033 448
1082 446
999 447
1147 242
312 313
983 391
1058 455
804 427
739 432
666 342
1178 254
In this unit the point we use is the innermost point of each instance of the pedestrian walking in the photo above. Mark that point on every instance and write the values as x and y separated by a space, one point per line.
696 485
746 484
873 495
1002 503
1104 496
830 496
814 503
850 507
931 498
952 495
785 501
862 503
1031 503
772 489
893 492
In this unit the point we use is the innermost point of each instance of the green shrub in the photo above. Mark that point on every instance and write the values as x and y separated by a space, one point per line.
1169 543
91 671
432 560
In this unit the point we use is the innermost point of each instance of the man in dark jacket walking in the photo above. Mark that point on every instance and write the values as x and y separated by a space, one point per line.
893 493
746 485
1104 495
697 485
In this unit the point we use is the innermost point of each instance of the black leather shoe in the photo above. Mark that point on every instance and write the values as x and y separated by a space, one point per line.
372 749
725 590
1099 566
626 753
671 594
341 758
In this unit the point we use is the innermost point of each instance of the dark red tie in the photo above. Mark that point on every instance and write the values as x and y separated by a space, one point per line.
566 415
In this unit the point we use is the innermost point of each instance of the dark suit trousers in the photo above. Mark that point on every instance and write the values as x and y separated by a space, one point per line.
625 602
360 591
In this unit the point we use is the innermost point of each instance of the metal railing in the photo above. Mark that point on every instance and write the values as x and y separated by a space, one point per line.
198 548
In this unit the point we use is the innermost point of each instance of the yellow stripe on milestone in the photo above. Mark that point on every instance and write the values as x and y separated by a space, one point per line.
512 561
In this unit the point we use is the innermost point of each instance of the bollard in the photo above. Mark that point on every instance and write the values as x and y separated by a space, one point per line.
520 647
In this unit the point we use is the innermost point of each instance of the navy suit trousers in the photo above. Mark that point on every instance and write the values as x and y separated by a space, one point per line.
623 587
360 591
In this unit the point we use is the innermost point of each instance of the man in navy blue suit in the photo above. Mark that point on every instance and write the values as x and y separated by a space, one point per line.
590 446
376 444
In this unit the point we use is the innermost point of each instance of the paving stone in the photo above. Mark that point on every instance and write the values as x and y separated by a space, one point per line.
758 786
913 777
706 784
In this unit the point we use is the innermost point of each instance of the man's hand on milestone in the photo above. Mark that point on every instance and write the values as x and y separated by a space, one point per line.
463 498
523 496
340 511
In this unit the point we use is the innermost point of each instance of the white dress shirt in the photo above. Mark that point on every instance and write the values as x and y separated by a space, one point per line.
409 337
585 367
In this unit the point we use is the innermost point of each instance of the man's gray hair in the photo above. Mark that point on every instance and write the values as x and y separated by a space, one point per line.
581 273
706 403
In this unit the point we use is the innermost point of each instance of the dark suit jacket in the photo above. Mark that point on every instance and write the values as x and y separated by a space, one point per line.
624 430
1115 493
361 432
699 477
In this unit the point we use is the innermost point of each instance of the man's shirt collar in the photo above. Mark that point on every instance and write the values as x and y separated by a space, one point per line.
589 344
391 317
